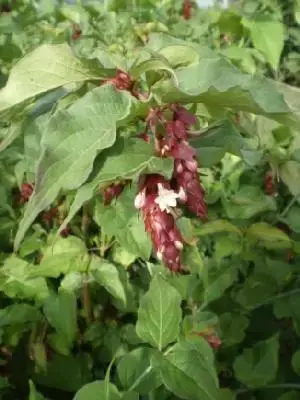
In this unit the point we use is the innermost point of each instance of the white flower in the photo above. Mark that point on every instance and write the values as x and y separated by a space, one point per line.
166 198
140 199
182 195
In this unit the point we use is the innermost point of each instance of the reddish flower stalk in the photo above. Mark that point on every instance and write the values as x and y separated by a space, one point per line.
155 201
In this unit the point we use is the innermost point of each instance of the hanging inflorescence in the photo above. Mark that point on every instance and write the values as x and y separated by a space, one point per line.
167 129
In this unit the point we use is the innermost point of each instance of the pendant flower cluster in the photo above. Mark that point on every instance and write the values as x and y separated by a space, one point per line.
158 198
168 128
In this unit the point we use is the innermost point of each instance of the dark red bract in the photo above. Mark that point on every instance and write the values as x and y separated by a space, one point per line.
65 232
187 178
113 191
122 81
214 341
25 192
270 188
48 216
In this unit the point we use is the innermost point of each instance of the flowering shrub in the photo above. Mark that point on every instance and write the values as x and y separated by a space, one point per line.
149 215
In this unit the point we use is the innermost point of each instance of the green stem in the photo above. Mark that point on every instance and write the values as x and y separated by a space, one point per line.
289 206
86 300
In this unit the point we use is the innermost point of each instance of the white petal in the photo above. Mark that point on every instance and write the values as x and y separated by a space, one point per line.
140 199
166 198
181 194
178 245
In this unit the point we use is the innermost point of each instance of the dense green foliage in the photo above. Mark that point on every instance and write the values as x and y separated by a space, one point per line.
87 310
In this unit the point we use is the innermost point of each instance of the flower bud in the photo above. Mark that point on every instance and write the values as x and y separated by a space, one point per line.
26 191
112 191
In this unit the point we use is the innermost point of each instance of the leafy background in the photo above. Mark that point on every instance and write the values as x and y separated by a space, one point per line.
93 315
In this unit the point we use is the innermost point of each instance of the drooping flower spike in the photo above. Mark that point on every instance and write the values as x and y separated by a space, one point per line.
159 198
156 200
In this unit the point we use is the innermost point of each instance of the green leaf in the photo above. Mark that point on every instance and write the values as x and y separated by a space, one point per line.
297 11
292 218
121 256
64 256
66 373
193 259
218 226
227 246
60 311
135 372
296 362
247 202
268 236
200 322
39 355
15 283
107 275
258 366
267 37
188 370
46 68
34 394
154 64
288 307
68 153
290 174
130 396
19 314
212 144
291 95
9 134
127 159
219 281
98 390
187 230
227 394
255 290
72 281
159 314
184 284
217 83
180 54
122 221
233 327
292 395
